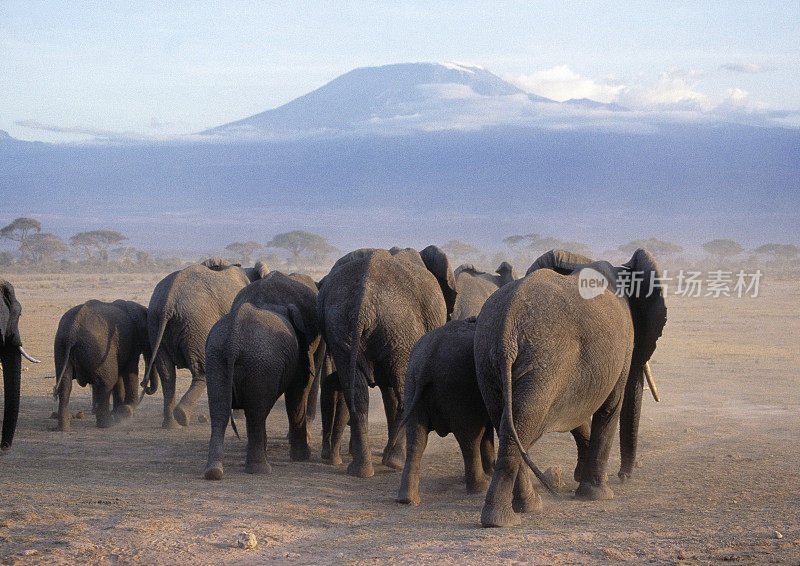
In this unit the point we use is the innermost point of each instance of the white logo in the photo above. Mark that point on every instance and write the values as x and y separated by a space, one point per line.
591 283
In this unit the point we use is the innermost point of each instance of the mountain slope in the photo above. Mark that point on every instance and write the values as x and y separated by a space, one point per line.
372 94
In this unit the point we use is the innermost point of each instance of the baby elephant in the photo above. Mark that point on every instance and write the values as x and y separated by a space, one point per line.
267 346
442 394
100 343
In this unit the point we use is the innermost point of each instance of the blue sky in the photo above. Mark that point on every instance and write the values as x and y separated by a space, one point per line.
172 68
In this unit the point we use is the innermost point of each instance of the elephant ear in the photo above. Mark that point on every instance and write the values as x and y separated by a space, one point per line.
640 280
258 271
217 263
304 334
506 272
9 316
560 261
436 262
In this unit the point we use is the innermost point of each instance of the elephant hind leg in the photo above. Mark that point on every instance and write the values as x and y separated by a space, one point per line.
256 459
417 440
476 478
581 436
296 398
594 482
488 453
166 371
393 455
183 410
100 400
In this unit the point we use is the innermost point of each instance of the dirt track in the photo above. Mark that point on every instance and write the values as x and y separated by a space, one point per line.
719 466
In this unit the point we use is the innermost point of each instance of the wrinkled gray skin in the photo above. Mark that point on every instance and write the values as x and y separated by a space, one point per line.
442 395
183 308
11 359
100 344
373 307
474 287
549 360
267 346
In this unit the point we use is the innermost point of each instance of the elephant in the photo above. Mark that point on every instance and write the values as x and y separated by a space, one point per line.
11 353
268 345
183 308
474 287
373 306
555 353
100 343
442 394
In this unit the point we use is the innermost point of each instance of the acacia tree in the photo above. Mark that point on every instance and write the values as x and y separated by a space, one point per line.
462 251
300 243
20 229
97 240
723 248
658 248
781 252
42 246
538 244
244 250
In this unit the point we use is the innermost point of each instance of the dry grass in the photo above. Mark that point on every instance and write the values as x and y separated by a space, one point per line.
719 470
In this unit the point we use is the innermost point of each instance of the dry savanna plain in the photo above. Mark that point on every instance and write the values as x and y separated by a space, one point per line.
719 475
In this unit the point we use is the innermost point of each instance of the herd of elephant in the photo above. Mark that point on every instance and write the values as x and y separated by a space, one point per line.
458 351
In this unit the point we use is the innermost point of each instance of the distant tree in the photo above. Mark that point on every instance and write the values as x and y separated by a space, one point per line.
244 250
785 252
42 246
461 250
723 248
300 243
20 229
659 248
97 240
538 244
514 241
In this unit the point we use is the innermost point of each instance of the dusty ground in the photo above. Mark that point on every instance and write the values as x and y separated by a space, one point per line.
719 467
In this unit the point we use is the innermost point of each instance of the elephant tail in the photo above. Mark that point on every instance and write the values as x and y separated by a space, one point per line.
508 416
151 377
60 374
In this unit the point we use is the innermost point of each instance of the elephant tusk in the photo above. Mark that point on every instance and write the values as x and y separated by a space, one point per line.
650 382
27 356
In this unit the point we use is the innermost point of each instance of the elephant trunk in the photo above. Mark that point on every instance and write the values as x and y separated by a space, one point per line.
11 359
629 422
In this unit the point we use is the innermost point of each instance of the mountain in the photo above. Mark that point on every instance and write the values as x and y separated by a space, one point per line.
407 94
419 153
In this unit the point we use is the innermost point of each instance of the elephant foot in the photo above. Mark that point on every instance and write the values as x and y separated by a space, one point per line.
332 459
594 492
496 516
408 496
300 453
529 504
169 423
361 469
478 485
261 467
393 460
624 476
122 412
182 415
105 421
63 426
213 472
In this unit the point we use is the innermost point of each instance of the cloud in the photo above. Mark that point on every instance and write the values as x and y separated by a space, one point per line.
749 68
561 83
675 89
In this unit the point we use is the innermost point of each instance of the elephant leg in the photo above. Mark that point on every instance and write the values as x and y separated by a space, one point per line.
488 453
220 402
393 455
166 371
183 410
64 391
256 460
594 483
122 410
581 436
296 398
358 404
100 400
333 408
416 441
525 499
510 488
470 444
131 384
